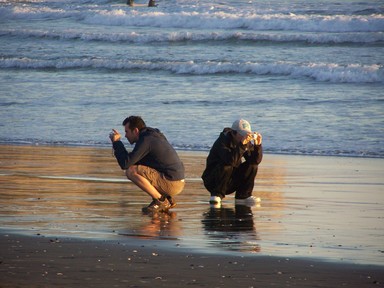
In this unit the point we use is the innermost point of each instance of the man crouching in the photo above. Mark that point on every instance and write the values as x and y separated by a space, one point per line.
153 165
232 164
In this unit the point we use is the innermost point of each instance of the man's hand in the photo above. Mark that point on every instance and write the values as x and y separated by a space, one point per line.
114 136
255 137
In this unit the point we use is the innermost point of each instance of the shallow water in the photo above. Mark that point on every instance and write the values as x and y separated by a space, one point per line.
323 207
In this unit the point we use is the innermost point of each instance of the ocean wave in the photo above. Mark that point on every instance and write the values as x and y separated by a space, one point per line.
374 38
243 20
238 19
323 72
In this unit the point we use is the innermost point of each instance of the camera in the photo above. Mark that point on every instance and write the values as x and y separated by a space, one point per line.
111 134
257 138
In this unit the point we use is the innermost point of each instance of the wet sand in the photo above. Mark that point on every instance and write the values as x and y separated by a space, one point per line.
57 262
69 217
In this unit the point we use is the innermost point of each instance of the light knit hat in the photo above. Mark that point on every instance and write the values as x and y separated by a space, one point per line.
242 126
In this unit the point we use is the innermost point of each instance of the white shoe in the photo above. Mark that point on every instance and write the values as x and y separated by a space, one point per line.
250 201
215 201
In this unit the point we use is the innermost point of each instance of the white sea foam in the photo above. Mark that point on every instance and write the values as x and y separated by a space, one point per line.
179 36
255 22
353 73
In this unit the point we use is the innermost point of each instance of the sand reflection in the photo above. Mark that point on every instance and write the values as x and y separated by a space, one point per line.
81 191
231 228
307 209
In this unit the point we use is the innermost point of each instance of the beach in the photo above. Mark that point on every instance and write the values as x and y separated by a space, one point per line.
307 75
69 217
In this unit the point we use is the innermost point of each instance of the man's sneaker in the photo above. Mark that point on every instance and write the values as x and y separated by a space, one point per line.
250 201
215 201
171 201
157 206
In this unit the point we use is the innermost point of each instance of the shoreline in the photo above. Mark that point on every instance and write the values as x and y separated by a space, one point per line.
179 150
171 246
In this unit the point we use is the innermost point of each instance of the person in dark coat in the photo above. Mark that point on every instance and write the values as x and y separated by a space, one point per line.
232 164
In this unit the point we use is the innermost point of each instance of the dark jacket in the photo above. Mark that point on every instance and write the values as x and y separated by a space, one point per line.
227 152
151 150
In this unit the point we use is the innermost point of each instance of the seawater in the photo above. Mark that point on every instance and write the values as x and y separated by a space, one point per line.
308 75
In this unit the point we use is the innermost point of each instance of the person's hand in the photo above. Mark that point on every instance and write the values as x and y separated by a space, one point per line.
247 139
114 136
257 138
